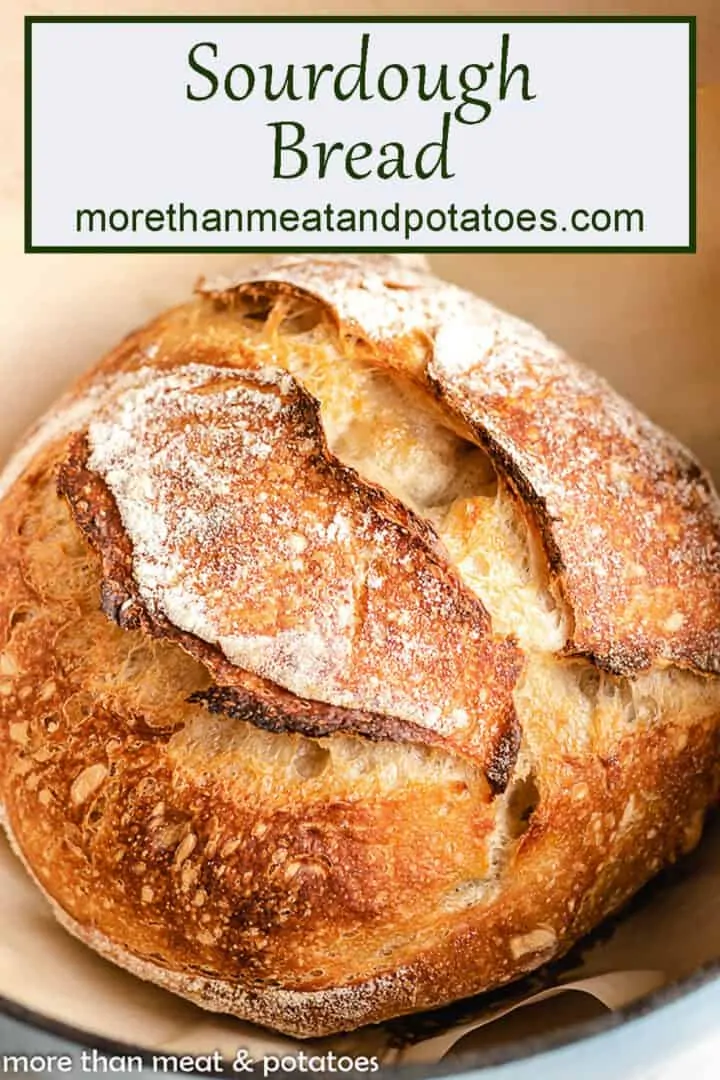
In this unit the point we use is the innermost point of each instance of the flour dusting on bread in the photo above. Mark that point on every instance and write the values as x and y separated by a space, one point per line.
247 534
597 479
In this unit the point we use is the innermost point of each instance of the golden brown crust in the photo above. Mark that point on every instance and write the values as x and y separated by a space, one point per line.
158 848
601 834
314 884
355 599
629 520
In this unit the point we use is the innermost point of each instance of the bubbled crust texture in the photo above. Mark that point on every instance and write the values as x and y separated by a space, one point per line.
354 863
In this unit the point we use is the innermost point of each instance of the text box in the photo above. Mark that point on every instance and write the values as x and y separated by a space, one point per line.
352 134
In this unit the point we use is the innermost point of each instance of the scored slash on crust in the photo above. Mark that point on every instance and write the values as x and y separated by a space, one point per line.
629 521
192 491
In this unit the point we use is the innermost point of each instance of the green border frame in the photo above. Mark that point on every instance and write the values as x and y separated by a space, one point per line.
689 20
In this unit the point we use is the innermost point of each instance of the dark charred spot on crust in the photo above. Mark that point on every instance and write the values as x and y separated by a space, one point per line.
119 608
506 751
317 720
313 719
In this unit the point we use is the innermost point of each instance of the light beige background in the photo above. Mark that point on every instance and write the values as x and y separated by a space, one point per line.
651 322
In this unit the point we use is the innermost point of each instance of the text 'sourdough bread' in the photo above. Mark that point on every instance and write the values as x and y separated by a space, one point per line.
359 651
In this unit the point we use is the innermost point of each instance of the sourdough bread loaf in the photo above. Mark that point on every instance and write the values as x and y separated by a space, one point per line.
359 651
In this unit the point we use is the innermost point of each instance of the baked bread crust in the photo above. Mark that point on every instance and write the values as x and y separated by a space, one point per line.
506 718
292 521
611 493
